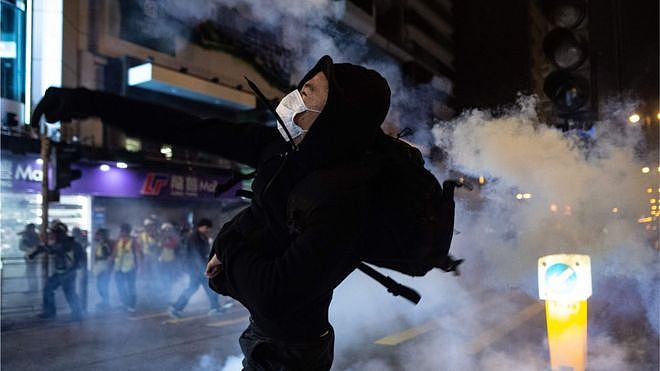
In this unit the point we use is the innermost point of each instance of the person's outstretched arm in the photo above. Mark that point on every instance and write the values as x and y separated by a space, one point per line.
237 142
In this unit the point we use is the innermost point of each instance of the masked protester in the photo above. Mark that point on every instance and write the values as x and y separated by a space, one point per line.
281 266
66 256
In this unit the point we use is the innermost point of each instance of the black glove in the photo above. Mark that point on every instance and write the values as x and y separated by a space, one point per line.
63 104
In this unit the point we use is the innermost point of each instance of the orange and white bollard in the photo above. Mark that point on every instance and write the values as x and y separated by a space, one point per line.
565 285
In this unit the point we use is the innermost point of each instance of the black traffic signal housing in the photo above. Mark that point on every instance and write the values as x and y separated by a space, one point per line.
62 172
566 46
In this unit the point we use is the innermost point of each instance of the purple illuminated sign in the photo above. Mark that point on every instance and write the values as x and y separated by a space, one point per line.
23 174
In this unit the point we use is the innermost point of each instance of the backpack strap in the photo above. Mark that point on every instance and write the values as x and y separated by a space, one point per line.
392 286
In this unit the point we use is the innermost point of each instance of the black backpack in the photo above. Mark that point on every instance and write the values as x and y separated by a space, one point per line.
407 207
411 214
409 217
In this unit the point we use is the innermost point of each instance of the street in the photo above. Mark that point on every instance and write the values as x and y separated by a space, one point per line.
374 331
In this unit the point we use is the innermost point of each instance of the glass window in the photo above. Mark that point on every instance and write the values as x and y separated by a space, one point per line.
12 50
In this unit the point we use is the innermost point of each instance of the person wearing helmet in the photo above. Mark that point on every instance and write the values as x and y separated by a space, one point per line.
126 258
64 250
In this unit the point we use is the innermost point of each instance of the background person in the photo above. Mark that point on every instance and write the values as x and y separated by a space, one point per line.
197 253
28 244
126 257
67 258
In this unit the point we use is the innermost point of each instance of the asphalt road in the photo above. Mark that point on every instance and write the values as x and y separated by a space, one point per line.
497 332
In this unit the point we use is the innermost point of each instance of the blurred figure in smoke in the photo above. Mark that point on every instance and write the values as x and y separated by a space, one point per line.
282 267
67 257
169 240
126 257
29 243
102 266
80 236
150 252
197 253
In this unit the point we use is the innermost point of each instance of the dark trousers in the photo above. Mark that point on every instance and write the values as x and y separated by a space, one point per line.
126 287
263 353
196 279
103 287
68 282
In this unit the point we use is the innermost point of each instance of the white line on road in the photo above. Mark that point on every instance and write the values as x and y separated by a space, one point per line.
147 316
229 322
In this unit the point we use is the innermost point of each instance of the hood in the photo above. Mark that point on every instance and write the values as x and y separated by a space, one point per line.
358 101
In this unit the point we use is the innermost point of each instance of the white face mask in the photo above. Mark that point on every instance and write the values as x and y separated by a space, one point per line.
291 105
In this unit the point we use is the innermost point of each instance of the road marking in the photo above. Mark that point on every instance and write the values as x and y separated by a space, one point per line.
229 322
407 334
185 319
493 301
410 333
491 335
147 316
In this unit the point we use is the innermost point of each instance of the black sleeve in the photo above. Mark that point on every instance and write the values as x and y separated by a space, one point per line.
315 263
237 142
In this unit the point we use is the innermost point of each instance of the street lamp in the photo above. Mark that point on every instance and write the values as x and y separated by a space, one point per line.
634 118
565 285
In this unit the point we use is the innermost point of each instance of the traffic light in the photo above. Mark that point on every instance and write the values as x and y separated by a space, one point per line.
566 46
63 173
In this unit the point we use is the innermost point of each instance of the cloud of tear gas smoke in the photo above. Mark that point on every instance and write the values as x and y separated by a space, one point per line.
310 29
233 363
574 185
584 197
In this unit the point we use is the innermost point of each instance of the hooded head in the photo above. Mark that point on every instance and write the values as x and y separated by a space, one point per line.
357 103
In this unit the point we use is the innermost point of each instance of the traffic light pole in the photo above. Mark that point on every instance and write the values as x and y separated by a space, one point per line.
43 231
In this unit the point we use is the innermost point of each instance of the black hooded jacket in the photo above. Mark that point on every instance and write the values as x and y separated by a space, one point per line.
283 273
285 277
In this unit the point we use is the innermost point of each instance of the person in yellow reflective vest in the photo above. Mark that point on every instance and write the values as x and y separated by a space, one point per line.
126 258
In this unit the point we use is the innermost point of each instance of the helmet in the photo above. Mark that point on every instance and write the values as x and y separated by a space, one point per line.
102 232
57 227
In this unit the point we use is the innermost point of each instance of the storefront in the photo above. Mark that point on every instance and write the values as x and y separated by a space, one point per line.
106 196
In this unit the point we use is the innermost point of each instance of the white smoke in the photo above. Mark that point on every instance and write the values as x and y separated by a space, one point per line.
309 30
584 198
575 185
233 363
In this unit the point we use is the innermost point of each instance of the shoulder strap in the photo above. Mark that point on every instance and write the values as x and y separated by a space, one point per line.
392 286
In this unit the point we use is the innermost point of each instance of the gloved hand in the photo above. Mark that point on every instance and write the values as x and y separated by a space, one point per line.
63 104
